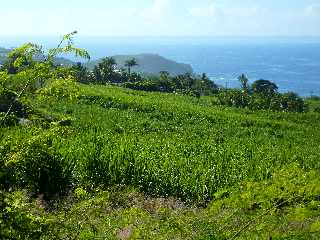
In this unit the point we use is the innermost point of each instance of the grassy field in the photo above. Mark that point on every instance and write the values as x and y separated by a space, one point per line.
140 165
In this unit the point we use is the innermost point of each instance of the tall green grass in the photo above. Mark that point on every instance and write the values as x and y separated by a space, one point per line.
167 144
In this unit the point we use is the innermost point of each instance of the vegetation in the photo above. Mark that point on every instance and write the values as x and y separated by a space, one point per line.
130 64
87 161
262 94
148 64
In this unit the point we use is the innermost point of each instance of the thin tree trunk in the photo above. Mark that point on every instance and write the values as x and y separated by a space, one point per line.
11 106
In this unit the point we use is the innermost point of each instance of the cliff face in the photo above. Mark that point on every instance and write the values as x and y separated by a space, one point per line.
151 64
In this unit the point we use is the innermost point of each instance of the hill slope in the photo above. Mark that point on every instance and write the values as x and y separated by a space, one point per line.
143 165
151 64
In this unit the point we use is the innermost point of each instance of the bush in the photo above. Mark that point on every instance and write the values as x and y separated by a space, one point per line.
291 102
288 102
61 88
234 98
39 167
146 85
8 98
16 222
264 87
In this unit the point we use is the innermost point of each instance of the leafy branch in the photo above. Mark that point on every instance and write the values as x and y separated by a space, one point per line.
24 57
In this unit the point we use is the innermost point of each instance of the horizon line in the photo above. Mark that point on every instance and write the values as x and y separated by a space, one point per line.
163 36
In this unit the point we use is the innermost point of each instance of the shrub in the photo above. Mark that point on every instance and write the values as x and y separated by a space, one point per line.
291 102
39 167
16 222
146 85
264 86
61 88
260 101
8 98
3 78
234 98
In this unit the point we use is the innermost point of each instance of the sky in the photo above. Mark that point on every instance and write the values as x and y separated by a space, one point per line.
113 18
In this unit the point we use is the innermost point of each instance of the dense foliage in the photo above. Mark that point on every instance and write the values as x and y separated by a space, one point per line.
288 102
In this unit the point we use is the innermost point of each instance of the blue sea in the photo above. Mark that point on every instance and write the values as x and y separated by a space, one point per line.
292 63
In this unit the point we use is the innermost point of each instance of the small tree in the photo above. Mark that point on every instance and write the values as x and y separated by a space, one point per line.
264 86
164 75
165 82
105 71
81 73
130 64
244 83
23 60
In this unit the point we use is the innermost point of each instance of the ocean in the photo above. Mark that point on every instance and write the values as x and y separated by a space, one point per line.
292 63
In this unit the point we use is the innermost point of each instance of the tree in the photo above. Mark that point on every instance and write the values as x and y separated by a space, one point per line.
264 86
109 63
165 82
244 82
33 71
131 63
21 58
164 75
291 102
105 71
81 73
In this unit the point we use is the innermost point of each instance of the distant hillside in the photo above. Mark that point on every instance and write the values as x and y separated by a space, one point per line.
150 64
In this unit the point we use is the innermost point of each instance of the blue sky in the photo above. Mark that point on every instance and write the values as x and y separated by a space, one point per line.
160 17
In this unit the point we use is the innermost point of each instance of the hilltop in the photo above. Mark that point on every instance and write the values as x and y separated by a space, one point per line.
150 64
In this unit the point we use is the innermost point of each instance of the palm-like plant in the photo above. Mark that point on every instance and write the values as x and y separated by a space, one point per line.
244 82
110 61
104 71
131 63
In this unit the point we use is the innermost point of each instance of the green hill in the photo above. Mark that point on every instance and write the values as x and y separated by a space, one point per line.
140 165
150 64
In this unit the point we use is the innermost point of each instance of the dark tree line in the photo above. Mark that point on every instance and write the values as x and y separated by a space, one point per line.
108 72
261 94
